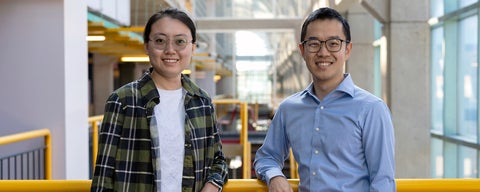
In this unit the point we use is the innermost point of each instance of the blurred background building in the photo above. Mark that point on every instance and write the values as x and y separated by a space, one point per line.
59 61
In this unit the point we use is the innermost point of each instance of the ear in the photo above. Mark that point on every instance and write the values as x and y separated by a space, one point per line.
194 46
301 48
348 50
145 48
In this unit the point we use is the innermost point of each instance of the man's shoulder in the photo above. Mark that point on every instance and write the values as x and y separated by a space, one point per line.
365 96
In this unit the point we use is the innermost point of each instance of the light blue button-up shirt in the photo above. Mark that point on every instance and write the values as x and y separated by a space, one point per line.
343 143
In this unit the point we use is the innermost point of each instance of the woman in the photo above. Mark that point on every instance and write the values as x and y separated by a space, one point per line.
159 132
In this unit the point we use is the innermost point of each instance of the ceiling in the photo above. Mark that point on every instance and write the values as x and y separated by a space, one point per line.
121 40
118 41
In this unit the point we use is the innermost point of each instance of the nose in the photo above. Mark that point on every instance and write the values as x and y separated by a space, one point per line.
323 49
169 46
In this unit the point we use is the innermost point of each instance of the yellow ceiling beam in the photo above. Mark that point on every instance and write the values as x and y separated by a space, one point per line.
130 29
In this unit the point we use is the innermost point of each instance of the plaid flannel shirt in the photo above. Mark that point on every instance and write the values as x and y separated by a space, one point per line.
127 157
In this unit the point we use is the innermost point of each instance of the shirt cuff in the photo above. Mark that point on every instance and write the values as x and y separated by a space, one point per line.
273 173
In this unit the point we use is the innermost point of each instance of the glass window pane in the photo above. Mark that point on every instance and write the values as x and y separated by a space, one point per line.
377 29
252 9
464 3
468 162
436 8
437 158
377 73
467 85
450 160
437 50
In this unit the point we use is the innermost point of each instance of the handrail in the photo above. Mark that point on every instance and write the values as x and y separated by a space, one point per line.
31 135
94 121
246 146
240 185
438 185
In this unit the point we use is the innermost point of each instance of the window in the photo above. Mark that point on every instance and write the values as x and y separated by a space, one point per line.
437 50
467 81
454 89
377 58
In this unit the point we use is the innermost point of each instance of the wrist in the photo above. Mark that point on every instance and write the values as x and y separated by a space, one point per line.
219 188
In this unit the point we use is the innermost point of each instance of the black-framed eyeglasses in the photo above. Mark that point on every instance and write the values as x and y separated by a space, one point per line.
332 45
179 43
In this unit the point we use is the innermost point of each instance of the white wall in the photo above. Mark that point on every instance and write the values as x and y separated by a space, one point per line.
43 70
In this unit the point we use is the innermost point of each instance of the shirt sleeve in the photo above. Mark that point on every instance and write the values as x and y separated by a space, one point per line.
109 136
218 174
379 145
270 157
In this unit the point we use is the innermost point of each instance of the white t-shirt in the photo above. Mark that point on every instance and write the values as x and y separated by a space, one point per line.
170 116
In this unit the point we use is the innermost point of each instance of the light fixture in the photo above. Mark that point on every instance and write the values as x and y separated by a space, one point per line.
217 77
234 164
433 21
135 59
95 38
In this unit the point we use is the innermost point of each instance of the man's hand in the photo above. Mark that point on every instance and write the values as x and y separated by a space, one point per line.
208 187
279 184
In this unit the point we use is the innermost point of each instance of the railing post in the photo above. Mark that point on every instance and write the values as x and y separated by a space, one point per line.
94 122
94 142
48 156
247 162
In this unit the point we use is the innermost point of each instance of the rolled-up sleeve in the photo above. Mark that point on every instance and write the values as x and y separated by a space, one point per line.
379 145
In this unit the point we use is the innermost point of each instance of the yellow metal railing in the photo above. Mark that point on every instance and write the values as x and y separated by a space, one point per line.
246 146
31 135
241 185
93 121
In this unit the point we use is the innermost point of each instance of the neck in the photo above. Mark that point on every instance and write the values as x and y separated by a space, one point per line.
323 88
167 83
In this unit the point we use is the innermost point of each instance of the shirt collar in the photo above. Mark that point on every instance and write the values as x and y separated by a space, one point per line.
149 88
346 86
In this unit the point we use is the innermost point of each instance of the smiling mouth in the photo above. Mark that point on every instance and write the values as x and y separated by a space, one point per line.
324 64
170 60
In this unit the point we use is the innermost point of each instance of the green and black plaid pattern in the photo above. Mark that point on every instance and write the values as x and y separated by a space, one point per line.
127 156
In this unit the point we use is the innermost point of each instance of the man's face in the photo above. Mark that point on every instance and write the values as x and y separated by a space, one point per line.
326 66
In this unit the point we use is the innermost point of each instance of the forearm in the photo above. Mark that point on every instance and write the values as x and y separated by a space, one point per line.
218 172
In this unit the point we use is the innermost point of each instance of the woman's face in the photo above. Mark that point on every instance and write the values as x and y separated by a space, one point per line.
170 47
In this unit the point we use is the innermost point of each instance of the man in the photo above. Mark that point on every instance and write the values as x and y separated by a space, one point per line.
341 135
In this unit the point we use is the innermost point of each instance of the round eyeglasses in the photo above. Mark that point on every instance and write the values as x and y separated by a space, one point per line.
332 45
179 43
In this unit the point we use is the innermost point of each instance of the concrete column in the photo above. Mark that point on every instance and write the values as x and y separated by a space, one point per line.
409 86
226 87
102 81
204 79
44 76
360 65
406 83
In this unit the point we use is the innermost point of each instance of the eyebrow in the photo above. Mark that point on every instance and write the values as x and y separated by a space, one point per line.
331 37
163 34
